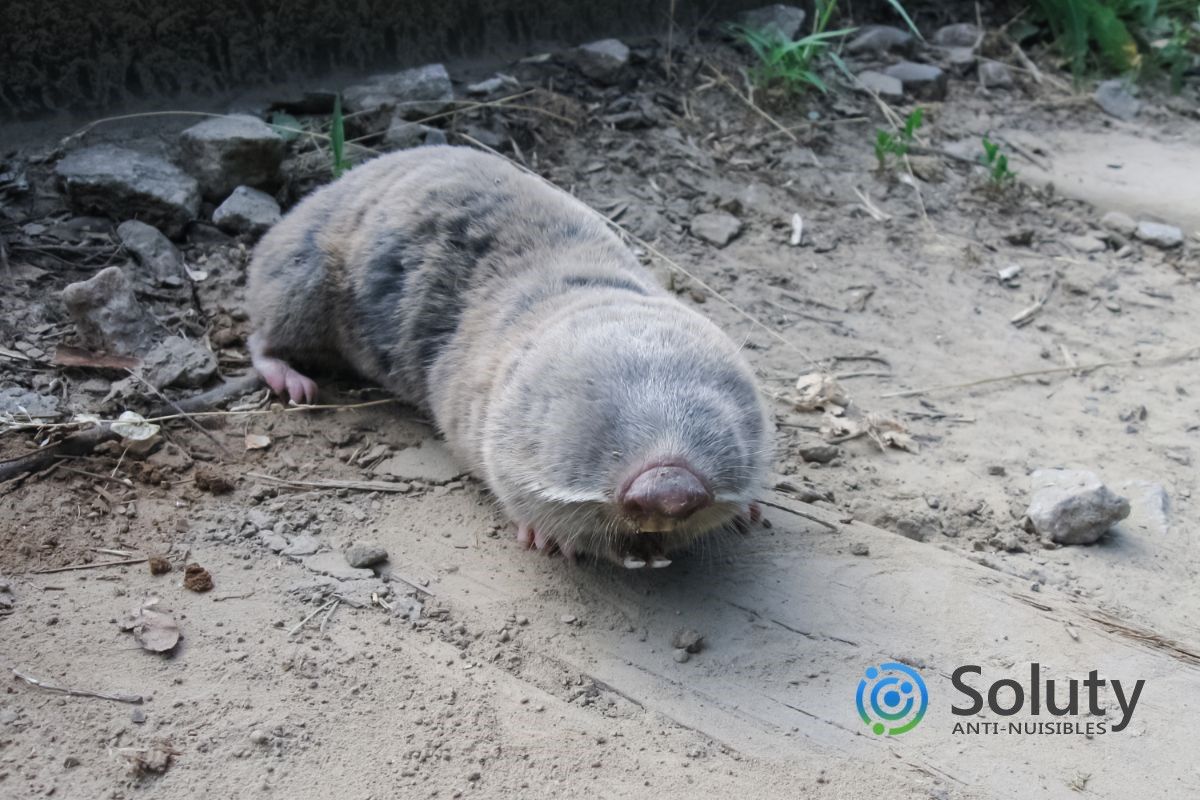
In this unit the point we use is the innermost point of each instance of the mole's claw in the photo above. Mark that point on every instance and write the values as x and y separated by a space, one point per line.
658 562
524 535
754 510
632 562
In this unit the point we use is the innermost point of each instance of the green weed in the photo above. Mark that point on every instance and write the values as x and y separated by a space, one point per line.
890 145
337 139
997 164
789 64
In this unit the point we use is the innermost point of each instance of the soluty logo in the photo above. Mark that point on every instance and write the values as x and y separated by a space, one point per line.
892 698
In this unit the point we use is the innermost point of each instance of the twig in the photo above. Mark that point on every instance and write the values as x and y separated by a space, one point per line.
809 517
76 444
128 484
720 76
188 417
336 602
305 621
1081 368
362 486
232 597
91 566
108 552
1026 316
119 698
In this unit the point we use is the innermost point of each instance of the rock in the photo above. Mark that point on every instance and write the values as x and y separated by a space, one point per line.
860 549
959 59
717 227
960 34
302 545
1159 235
885 85
1116 101
994 75
411 94
928 168
19 402
1085 244
493 84
1119 222
122 183
401 135
1150 508
918 527
688 639
820 454
160 260
924 81
365 554
429 462
107 315
878 39
247 211
238 150
259 737
334 565
681 656
1073 506
272 541
603 60
783 20
176 361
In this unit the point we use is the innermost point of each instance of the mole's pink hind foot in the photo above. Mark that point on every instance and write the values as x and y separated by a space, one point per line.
532 539
279 375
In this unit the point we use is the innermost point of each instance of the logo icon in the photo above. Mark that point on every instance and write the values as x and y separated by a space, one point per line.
892 698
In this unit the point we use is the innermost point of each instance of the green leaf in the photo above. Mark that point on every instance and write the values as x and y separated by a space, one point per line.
907 19
337 138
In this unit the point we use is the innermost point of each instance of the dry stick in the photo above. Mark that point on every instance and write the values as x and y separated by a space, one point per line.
362 486
120 698
1184 356
720 76
207 433
654 251
73 567
305 621
77 444
125 482
336 601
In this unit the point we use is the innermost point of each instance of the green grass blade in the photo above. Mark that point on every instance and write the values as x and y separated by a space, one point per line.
896 4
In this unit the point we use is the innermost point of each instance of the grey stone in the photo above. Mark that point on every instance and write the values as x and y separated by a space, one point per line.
959 59
1073 506
820 454
918 527
1119 222
924 81
402 134
784 20
994 75
1150 508
365 554
334 565
160 260
603 60
884 85
176 361
248 211
107 315
410 94
878 39
1159 235
272 541
960 34
429 462
681 656
1085 244
238 150
492 85
302 545
1116 101
688 639
717 227
122 183
19 402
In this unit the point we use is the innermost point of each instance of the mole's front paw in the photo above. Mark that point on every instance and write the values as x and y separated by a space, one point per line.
532 539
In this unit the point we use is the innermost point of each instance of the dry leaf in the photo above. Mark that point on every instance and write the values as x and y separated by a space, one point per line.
133 426
257 441
840 429
887 433
154 630
820 390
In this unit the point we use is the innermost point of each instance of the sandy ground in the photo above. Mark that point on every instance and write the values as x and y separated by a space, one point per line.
468 667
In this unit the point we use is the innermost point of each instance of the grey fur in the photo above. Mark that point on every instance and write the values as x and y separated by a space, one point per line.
551 360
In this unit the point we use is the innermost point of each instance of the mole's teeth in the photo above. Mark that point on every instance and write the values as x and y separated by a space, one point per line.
633 562
658 562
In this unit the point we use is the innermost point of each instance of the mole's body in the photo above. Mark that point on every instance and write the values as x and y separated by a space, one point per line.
605 416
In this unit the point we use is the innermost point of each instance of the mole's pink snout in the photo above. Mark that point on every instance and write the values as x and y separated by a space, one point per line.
660 497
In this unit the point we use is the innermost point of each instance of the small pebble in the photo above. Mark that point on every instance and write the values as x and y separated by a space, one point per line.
860 549
138 716
568 619
259 737
682 655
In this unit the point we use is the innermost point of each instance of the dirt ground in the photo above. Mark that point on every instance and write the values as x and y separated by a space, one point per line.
469 667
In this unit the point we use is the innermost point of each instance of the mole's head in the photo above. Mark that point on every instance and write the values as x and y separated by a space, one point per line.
627 431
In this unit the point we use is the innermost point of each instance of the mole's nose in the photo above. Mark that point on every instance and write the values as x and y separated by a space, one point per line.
670 492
